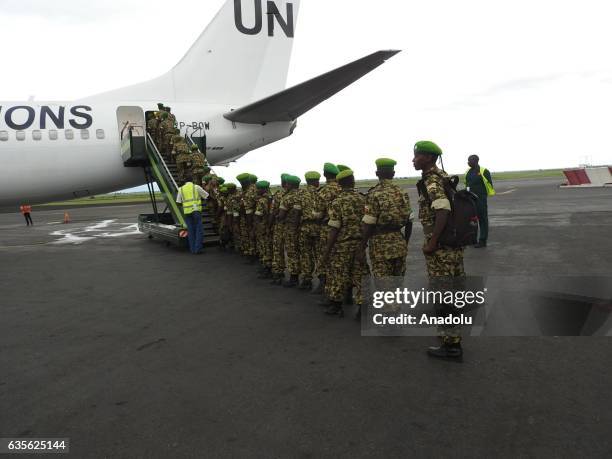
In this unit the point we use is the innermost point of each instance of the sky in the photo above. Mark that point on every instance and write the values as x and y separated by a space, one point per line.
523 84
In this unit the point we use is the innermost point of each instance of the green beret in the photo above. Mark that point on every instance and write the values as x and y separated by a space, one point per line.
230 186
223 189
342 167
245 176
330 168
220 180
207 178
194 147
253 178
293 180
164 115
160 105
344 174
312 175
425 147
262 185
385 162
284 176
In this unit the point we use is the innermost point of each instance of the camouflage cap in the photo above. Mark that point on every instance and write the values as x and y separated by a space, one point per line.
427 147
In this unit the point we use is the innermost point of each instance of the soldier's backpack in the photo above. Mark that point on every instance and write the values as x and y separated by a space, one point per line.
462 227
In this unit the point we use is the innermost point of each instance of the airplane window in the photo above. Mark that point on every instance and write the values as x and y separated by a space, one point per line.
84 134
36 134
52 134
20 135
99 133
4 136
69 134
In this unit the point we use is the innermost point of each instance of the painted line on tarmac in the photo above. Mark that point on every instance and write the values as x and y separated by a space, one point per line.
507 192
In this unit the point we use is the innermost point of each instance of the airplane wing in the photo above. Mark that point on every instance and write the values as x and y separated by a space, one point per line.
293 102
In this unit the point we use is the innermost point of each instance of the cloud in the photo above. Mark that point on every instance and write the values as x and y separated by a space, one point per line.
68 10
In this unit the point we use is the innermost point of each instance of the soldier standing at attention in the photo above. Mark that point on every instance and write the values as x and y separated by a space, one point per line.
478 180
250 202
220 217
261 217
277 229
327 194
310 228
289 214
197 165
387 211
231 214
444 265
344 225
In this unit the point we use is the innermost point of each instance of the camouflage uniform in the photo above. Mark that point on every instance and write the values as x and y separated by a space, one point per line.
327 194
153 128
247 207
310 231
197 166
291 203
167 132
445 265
278 234
264 239
387 207
345 271
182 159
233 209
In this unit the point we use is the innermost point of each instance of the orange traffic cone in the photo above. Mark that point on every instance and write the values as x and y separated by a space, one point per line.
66 217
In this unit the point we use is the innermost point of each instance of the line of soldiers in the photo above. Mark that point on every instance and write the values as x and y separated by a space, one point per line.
323 231
162 127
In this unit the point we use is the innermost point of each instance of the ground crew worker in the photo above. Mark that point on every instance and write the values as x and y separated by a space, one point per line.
190 195
288 214
26 211
344 226
478 181
167 132
261 217
387 211
310 228
277 228
327 194
444 265
182 158
197 164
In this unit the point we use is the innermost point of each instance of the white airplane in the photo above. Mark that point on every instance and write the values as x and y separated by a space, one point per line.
230 85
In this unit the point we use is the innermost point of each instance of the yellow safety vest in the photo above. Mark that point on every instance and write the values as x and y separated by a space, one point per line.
191 199
487 184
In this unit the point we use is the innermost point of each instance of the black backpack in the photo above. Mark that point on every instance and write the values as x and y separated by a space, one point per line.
462 227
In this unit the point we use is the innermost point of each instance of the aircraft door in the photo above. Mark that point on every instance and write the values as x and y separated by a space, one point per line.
132 132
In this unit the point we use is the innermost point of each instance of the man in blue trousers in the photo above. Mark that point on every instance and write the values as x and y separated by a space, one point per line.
190 196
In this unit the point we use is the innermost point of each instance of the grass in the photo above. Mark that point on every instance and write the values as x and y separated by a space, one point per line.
135 198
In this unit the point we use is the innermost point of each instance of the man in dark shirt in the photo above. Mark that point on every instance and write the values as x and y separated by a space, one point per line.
478 181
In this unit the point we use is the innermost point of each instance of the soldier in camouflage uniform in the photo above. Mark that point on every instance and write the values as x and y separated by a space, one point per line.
153 127
289 209
444 265
197 165
327 194
167 132
220 217
232 212
182 157
248 198
171 117
277 228
387 211
345 268
264 241
310 228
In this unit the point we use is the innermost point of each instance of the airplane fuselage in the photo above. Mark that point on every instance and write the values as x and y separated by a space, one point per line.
51 151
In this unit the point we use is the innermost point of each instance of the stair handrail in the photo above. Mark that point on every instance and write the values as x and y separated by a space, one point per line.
160 159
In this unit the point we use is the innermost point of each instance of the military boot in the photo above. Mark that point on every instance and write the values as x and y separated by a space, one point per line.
292 282
306 284
447 350
348 296
277 279
335 309
266 273
321 287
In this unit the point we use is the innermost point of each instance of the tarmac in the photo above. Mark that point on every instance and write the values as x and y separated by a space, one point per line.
134 349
